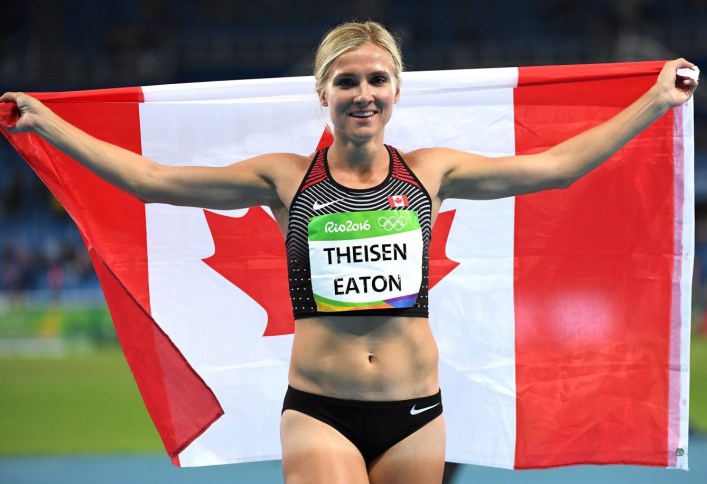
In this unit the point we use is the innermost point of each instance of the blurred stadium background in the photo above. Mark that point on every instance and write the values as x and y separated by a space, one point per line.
53 320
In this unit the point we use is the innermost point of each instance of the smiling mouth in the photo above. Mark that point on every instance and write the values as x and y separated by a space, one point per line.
362 114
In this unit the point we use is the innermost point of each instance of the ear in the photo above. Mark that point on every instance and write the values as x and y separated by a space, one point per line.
397 96
322 100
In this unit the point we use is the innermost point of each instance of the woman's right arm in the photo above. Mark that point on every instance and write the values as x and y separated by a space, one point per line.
247 183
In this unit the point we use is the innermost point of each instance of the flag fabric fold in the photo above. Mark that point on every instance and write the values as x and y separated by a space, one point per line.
562 317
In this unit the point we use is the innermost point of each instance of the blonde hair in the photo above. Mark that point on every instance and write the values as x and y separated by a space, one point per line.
349 36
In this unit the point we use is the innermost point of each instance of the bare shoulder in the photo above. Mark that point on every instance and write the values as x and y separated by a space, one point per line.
276 167
433 165
283 171
439 157
280 161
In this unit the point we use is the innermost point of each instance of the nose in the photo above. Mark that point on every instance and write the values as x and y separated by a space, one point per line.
364 94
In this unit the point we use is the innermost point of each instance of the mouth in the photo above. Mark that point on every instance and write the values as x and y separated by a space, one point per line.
362 114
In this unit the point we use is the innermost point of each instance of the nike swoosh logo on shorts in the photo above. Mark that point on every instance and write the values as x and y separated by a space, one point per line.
319 206
415 411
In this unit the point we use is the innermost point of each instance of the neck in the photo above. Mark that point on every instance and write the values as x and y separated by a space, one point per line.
358 166
359 157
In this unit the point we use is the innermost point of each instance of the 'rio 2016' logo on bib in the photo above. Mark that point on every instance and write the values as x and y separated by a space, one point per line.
365 260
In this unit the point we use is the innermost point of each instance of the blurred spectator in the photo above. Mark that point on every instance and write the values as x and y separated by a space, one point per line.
19 264
40 248
11 193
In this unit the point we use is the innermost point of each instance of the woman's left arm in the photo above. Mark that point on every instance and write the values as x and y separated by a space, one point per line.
475 177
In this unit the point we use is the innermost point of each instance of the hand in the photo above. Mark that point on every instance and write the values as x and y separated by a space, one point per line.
674 89
30 111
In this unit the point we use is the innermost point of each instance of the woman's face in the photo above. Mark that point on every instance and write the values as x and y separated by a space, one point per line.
360 92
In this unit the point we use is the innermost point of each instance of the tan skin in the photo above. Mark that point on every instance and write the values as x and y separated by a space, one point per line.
375 358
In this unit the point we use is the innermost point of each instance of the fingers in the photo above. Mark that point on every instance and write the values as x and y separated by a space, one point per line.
9 114
681 62
10 97
18 112
20 98
686 76
678 80
678 67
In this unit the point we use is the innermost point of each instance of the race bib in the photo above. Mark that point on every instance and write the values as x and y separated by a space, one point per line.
365 260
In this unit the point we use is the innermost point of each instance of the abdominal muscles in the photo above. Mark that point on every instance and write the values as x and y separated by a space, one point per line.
365 358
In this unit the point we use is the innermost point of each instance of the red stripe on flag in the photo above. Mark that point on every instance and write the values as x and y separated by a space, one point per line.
626 71
180 404
593 284
112 224
113 95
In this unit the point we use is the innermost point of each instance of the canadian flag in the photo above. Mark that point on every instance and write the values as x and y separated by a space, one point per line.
562 317
398 201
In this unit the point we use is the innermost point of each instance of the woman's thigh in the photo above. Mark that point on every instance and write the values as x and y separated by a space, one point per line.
419 458
314 452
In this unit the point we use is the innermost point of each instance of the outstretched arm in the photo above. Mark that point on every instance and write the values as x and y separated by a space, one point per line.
475 177
242 184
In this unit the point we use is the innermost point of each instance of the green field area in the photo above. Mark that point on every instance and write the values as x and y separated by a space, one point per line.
85 400
81 403
698 384
73 324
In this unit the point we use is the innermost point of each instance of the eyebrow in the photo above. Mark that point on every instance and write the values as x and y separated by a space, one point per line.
374 73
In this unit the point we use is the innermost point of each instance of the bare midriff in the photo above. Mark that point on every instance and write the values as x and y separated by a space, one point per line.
372 358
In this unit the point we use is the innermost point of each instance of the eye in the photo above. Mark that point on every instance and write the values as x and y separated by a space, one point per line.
379 80
344 82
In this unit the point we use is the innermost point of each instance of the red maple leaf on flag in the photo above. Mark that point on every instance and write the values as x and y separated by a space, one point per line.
250 253
440 264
